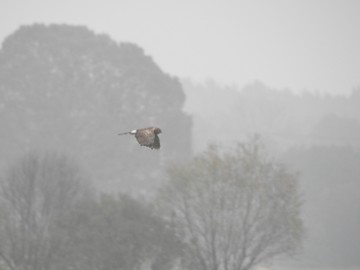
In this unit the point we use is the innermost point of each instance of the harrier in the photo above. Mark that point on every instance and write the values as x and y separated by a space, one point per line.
146 136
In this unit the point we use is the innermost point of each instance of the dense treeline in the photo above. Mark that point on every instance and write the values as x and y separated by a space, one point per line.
66 88
283 118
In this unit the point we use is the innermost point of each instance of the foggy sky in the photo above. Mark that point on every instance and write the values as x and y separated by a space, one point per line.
300 45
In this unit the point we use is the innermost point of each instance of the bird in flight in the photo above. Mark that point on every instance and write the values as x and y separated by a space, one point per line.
146 136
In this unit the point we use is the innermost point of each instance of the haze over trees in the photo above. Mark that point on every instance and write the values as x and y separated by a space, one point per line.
220 211
66 88
316 135
234 209
283 118
50 219
117 232
36 193
330 183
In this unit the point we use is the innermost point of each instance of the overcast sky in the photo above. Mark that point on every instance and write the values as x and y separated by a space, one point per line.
297 44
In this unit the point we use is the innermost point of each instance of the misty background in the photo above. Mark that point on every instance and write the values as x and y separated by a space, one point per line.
300 45
236 70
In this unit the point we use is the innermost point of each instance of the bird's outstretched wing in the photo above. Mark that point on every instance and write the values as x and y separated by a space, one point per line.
145 137
124 133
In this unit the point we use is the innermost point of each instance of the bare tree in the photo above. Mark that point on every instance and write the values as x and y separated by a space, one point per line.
35 194
233 210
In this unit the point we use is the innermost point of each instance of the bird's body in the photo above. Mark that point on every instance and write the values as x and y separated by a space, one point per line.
146 136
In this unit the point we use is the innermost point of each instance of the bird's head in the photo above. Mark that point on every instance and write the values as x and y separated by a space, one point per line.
157 130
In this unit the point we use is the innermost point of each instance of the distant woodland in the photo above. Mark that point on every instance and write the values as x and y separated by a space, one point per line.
65 94
316 135
227 114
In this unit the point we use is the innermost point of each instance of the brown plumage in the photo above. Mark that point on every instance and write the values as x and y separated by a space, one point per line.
146 136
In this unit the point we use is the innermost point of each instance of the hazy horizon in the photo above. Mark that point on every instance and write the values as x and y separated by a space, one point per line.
307 45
